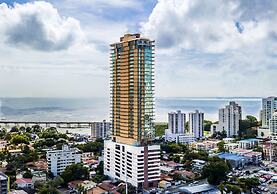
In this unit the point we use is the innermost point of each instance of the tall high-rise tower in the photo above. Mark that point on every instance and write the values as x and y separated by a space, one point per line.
196 124
132 95
229 118
129 156
269 106
177 122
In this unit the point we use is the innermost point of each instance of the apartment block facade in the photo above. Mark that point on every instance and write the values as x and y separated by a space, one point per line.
229 118
100 130
273 124
58 160
177 122
269 106
196 124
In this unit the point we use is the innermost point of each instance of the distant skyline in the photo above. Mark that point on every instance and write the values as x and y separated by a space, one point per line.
206 48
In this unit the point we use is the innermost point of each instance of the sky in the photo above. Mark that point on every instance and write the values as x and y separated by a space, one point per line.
211 48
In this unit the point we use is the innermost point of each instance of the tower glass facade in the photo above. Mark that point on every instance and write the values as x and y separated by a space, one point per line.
132 90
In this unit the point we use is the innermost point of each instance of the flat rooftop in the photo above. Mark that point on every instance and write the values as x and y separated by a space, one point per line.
197 188
249 140
230 156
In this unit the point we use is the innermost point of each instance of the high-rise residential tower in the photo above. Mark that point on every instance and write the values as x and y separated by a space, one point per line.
273 124
177 122
269 106
100 130
196 124
129 155
229 118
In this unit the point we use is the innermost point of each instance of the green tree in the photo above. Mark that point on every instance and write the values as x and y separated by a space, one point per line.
19 139
3 133
207 125
48 190
234 189
14 129
220 146
247 127
177 177
160 129
75 172
215 170
96 147
27 174
248 183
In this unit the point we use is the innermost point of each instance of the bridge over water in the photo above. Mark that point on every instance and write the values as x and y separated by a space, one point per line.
58 124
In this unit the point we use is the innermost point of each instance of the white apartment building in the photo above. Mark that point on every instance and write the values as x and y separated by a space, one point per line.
229 118
178 138
196 124
269 106
58 160
100 130
177 122
273 124
135 164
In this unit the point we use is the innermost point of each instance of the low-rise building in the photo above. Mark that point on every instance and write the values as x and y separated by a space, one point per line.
267 148
204 188
248 143
228 139
164 184
15 152
263 132
87 185
253 157
231 146
206 145
198 164
24 183
250 157
58 160
188 175
39 176
235 160
179 138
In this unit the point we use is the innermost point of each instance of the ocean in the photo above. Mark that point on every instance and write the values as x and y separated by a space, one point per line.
97 109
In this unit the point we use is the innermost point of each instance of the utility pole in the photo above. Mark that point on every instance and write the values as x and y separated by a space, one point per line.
126 183
270 150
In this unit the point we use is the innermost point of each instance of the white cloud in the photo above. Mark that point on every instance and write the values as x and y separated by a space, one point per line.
214 48
210 26
109 3
39 26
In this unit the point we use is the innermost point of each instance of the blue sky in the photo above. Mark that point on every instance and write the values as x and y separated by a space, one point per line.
212 48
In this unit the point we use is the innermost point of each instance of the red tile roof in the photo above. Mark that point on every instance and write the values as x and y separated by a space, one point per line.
23 180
